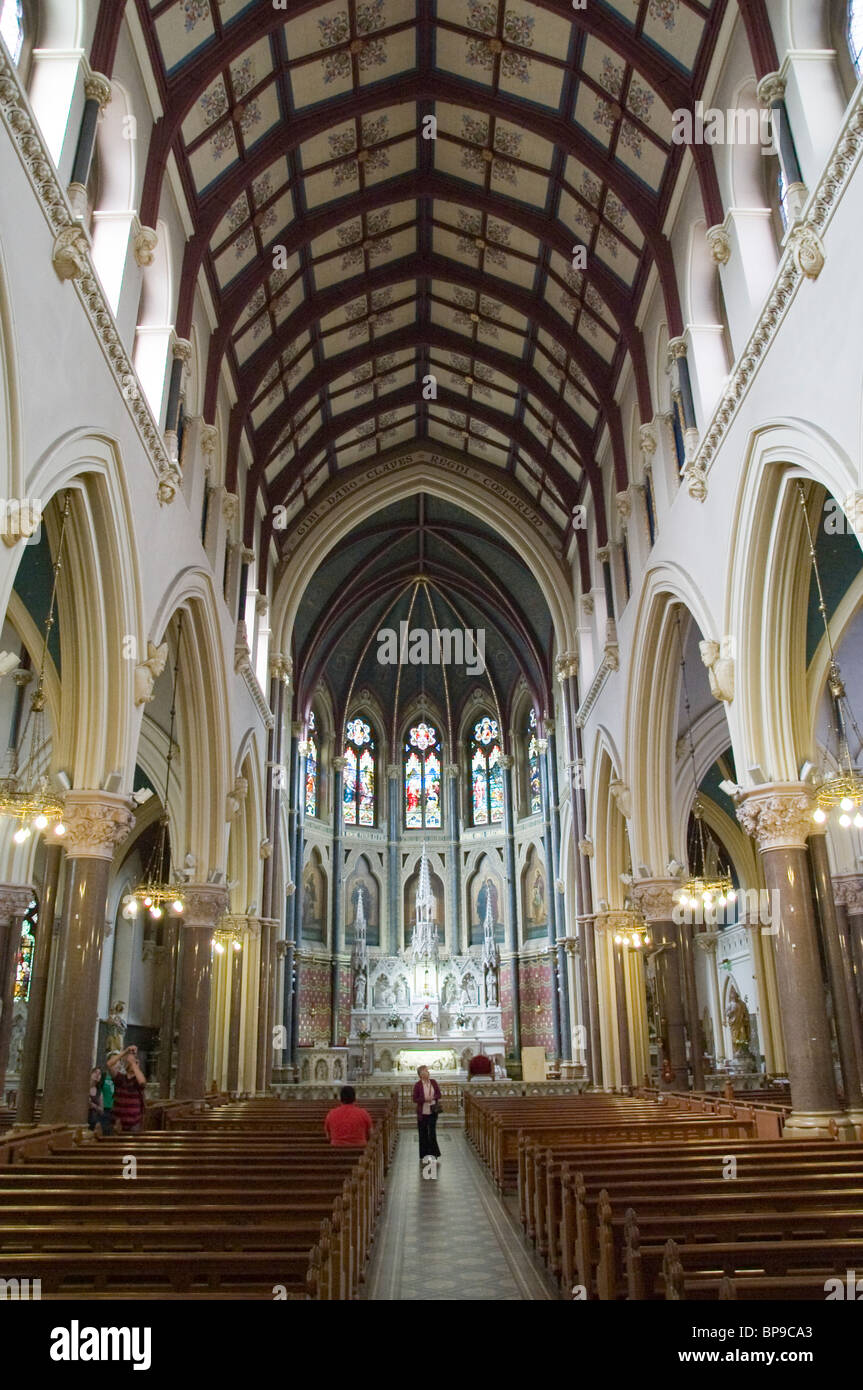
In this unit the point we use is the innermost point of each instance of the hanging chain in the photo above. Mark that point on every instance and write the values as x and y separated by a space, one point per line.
696 810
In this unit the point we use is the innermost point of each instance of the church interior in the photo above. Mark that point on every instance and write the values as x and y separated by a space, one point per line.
432 510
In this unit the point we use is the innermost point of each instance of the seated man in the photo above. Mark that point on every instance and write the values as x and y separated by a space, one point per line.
348 1126
479 1066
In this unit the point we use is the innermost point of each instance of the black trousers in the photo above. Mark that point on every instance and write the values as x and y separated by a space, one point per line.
427 1126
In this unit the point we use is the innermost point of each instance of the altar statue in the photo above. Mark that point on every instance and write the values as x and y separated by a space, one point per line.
737 1018
360 992
116 1028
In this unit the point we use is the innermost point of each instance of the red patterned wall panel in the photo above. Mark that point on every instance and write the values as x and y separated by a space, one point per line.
314 982
535 980
344 1021
506 1003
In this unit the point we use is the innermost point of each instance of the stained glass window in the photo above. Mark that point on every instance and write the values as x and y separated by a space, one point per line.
855 35
311 769
422 778
533 777
24 961
486 773
358 797
12 27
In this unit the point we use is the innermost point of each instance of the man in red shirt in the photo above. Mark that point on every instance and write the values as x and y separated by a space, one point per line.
348 1126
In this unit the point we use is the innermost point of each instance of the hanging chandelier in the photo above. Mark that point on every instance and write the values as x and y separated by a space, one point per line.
229 934
157 893
25 792
700 887
629 926
843 791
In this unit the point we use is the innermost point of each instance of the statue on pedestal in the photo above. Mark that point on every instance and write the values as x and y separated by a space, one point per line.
490 957
359 957
116 1028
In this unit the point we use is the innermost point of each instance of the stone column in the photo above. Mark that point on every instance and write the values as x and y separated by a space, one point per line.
511 939
567 674
655 897
96 823
97 95
690 992
168 1003
677 351
181 353
779 817
265 966
339 765
849 969
279 959
838 974
15 898
453 934
848 892
39 974
771 91
622 1014
542 750
555 897
205 904
235 1007
706 941
394 915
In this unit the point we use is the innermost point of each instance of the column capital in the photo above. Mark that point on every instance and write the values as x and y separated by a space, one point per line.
394 771
181 350
451 770
96 823
339 763
507 760
204 904
655 897
848 892
281 668
15 898
97 87
209 438
771 89
778 816
647 436
566 665
677 348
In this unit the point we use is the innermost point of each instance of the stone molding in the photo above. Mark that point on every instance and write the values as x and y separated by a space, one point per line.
26 137
96 823
15 898
719 243
566 666
771 88
777 816
610 662
204 905
790 276
97 87
848 892
144 244
655 897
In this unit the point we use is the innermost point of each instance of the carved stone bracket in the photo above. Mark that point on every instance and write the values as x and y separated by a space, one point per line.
848 892
71 254
15 898
808 250
144 245
719 243
655 897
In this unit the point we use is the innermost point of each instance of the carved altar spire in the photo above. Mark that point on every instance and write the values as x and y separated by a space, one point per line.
424 942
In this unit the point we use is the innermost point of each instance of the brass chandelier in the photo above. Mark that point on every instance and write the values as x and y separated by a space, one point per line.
157 894
842 792
701 887
629 926
25 792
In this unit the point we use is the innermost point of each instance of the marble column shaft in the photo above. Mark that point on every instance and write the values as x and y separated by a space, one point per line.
234 1016
568 677
454 911
542 747
393 859
96 823
838 969
655 897
168 1002
690 990
622 1014
512 900
205 903
263 1042
40 970
338 891
779 817
557 899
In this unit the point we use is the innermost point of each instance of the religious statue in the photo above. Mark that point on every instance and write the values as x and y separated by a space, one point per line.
360 992
116 1027
16 1041
537 901
491 988
719 660
737 1018
147 671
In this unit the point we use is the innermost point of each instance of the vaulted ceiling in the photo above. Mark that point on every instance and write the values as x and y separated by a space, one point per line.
309 128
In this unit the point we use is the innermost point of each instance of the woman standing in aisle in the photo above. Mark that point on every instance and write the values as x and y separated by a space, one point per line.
427 1101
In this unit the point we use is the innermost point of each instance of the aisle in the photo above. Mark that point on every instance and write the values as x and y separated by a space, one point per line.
450 1238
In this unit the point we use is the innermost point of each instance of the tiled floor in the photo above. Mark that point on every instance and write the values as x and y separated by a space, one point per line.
451 1238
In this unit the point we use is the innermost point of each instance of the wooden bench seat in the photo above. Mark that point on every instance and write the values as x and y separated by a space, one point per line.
653 1270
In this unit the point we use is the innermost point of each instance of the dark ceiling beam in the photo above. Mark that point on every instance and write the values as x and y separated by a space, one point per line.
266 439
439 187
762 44
407 397
411 268
106 36
196 76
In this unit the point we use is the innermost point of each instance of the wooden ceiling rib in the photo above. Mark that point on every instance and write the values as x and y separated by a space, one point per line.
289 129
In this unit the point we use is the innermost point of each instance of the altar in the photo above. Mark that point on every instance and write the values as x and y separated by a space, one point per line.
424 1006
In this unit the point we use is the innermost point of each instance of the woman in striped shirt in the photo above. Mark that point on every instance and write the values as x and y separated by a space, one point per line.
129 1083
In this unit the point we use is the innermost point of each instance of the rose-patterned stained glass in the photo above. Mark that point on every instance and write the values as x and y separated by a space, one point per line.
422 772
311 770
533 777
24 960
486 773
358 796
855 35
